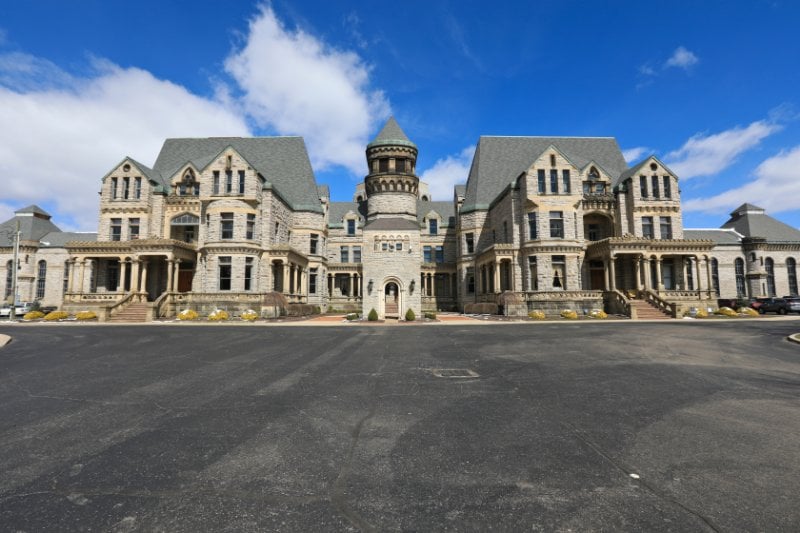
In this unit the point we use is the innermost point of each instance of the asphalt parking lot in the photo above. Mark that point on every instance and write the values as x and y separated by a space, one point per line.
532 427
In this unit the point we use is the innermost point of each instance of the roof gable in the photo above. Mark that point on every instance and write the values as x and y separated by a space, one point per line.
756 223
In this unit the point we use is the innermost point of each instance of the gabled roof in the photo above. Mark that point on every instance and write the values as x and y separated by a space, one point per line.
638 166
389 224
719 236
752 221
498 161
338 210
391 134
31 226
282 161
444 209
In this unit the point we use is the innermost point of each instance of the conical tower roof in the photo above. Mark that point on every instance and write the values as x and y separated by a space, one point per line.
391 134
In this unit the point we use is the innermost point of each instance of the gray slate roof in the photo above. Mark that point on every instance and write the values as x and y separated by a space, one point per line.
498 161
388 224
391 133
282 161
756 223
338 210
719 236
34 223
638 166
59 239
323 191
461 190
33 209
444 209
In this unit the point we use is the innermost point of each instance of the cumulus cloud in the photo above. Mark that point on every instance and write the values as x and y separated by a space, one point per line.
705 155
775 187
633 155
681 58
447 172
63 133
295 84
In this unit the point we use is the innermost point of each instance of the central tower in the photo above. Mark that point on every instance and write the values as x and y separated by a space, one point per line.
391 184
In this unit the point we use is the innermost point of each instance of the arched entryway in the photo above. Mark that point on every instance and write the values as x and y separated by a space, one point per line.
392 299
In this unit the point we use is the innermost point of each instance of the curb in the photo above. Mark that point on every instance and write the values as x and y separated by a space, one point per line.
794 338
5 339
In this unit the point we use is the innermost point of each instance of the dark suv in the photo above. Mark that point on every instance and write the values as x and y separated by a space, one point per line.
794 303
771 305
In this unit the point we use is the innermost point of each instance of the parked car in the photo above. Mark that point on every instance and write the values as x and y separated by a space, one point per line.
771 305
794 303
19 311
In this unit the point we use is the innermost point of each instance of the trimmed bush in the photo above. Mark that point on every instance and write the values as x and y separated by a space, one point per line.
536 315
56 315
86 315
249 315
33 315
218 315
569 314
373 315
410 316
430 315
726 311
351 316
749 311
187 314
598 313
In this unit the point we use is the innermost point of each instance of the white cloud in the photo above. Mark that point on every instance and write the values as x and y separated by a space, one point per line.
59 139
775 188
6 211
705 155
297 85
447 172
633 155
681 58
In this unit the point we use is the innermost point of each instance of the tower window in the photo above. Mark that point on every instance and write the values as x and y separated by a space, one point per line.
383 165
351 227
433 226
400 165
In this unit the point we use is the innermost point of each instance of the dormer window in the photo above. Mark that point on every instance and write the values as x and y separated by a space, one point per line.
351 227
188 186
552 160
593 174
433 226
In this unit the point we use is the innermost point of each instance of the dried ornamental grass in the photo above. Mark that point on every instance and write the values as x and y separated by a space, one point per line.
218 315
726 311
598 313
249 315
86 315
56 315
33 315
749 311
187 314
701 313
569 314
536 315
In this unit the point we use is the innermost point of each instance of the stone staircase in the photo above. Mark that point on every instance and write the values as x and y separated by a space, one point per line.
391 310
646 311
135 312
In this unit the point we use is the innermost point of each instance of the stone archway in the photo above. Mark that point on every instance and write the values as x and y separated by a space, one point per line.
392 298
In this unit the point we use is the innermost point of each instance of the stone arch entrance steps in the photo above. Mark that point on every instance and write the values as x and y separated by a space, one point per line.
646 311
134 312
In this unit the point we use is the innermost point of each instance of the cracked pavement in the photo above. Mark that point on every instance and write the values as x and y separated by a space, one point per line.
589 426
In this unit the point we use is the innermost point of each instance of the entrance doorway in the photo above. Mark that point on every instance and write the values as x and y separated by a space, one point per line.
597 276
185 275
391 300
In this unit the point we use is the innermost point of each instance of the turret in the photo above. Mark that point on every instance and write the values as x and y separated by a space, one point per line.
391 185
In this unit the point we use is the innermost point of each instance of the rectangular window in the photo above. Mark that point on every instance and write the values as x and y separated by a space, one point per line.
556 224
225 273
433 226
440 254
228 181
532 230
133 228
226 225
356 254
248 273
41 280
667 187
116 229
66 277
600 188
383 165
656 187
643 186
541 181
215 189
344 254
593 232
587 187
351 227
554 181
385 246
251 226
126 184
470 238
647 227
533 272
559 272
400 165
241 182
137 188
314 242
470 280
114 185
666 227
426 254
565 181
312 281
398 246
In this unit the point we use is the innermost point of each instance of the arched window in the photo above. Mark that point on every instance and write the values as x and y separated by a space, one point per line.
66 277
9 278
715 275
791 268
741 291
41 279
770 268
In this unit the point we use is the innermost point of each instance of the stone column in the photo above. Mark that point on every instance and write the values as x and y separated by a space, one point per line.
685 277
83 276
612 274
637 268
285 278
709 285
170 273
143 286
350 287
699 277
176 275
135 275
648 273
121 273
659 281
496 274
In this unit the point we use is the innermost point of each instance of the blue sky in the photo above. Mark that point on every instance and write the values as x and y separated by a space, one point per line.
711 88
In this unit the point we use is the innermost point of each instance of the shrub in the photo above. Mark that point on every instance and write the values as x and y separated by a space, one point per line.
187 314
249 315
56 315
569 314
430 315
218 315
351 316
536 315
86 315
749 311
726 311
410 316
373 315
33 315
317 310
598 313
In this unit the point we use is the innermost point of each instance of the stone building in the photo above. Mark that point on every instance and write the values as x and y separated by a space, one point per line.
542 223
